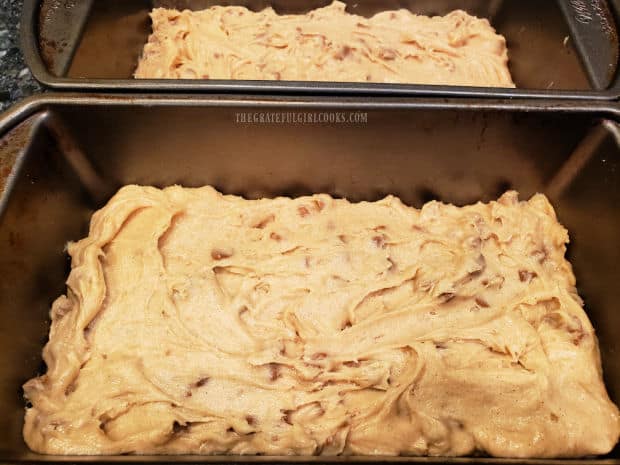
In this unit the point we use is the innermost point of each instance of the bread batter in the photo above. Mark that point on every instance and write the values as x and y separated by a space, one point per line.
327 44
201 323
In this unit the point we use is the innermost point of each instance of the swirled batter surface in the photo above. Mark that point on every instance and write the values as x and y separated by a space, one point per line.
327 44
201 323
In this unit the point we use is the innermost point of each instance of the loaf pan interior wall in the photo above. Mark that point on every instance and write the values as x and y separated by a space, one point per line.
458 156
541 57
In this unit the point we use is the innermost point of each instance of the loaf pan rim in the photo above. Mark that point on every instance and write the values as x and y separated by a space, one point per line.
30 105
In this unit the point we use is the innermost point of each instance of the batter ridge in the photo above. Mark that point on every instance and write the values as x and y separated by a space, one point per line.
202 323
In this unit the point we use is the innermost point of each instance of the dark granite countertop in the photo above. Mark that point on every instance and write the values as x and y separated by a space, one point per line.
16 82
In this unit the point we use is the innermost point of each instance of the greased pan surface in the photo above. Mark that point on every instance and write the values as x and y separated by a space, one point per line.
559 48
65 155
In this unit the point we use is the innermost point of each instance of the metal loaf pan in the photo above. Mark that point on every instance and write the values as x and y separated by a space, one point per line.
558 48
63 156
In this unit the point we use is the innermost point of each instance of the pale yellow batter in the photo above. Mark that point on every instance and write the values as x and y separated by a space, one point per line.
327 44
201 323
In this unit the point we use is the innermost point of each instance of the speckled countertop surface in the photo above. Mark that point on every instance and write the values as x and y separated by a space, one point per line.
16 82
